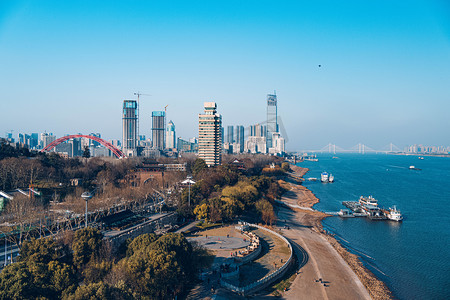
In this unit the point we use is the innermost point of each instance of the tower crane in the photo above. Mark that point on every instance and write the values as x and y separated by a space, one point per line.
138 94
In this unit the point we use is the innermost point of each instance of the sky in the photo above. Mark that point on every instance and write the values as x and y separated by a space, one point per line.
384 75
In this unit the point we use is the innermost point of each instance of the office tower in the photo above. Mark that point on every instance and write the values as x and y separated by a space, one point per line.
278 144
209 135
93 143
158 129
170 136
34 141
129 127
272 119
230 135
239 143
258 130
47 139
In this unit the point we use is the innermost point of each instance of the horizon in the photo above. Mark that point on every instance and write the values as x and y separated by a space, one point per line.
344 73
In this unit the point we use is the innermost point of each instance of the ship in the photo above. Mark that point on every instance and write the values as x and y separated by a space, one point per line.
331 178
393 214
414 168
324 177
364 201
345 213
312 178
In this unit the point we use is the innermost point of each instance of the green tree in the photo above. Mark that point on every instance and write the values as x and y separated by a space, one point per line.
98 291
40 250
153 274
86 152
140 243
199 165
86 245
285 166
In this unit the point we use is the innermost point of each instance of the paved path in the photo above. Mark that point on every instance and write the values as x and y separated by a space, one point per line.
220 242
321 260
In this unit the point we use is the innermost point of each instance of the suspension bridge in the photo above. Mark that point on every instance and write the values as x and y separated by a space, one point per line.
358 148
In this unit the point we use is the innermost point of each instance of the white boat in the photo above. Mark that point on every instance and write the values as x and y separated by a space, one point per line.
331 178
312 178
324 177
394 214
345 213
371 201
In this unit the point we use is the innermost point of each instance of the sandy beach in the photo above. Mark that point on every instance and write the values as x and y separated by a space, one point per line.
342 274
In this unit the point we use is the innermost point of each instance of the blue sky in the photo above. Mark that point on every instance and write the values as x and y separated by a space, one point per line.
66 67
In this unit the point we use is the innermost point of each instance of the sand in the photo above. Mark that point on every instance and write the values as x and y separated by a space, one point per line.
344 275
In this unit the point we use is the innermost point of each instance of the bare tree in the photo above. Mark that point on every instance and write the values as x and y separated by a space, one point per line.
25 212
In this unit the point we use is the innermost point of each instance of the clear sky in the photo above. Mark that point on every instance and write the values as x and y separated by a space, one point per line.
66 67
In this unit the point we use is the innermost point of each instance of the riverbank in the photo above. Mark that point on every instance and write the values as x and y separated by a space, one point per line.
300 196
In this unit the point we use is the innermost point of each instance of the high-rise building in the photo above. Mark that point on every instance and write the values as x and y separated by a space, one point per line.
158 129
171 136
230 135
209 135
239 143
272 118
129 127
47 139
258 130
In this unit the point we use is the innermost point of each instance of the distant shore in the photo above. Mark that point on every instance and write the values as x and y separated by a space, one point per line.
306 198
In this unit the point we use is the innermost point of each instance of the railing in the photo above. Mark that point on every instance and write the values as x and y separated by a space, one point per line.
267 279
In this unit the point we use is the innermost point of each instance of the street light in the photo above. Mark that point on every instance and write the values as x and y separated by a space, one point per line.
86 196
189 181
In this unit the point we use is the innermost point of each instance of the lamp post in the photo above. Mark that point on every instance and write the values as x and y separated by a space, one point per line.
189 181
86 196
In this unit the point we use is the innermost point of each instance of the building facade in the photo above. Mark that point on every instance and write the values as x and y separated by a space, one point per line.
129 127
171 138
210 135
158 130
272 118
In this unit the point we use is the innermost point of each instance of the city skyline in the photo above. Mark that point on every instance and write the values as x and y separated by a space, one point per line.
344 73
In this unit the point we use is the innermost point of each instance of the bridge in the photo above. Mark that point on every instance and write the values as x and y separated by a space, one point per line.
358 148
117 152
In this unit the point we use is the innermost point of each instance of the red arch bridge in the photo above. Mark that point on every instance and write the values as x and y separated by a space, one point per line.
117 152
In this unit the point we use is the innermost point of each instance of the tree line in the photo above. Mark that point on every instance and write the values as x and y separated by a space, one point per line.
83 266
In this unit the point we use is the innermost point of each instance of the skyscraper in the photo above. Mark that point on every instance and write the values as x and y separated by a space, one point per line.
129 127
239 139
230 135
272 119
170 136
209 135
158 129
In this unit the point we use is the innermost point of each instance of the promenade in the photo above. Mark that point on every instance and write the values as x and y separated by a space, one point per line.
319 259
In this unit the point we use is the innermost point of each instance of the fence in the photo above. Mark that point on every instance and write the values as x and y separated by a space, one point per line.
265 281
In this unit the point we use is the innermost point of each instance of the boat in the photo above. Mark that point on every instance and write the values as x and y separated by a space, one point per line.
324 177
345 213
331 178
394 214
365 201
312 178
420 157
414 168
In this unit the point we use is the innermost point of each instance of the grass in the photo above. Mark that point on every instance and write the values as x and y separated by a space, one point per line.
208 225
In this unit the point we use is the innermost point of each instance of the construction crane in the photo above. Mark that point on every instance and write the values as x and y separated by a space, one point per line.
138 94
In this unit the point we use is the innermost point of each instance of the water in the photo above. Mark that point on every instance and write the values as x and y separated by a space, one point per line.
411 257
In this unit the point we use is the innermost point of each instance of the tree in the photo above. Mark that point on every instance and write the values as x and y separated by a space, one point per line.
38 274
86 245
199 165
24 211
266 211
140 243
201 211
98 291
86 152
285 166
